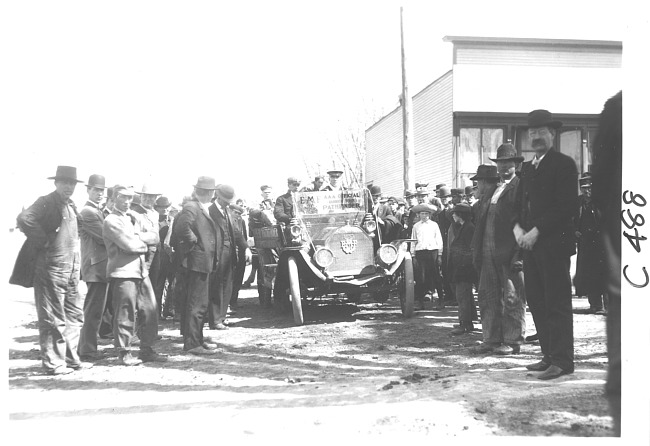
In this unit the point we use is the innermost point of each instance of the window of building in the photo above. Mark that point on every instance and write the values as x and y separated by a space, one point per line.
476 146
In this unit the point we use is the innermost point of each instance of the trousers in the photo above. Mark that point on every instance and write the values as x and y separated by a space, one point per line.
133 297
548 290
502 303
196 308
93 311
465 299
428 274
59 308
221 282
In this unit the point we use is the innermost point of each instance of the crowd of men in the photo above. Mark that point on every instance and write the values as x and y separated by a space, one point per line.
510 236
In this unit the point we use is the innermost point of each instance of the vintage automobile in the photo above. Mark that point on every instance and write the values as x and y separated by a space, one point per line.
333 248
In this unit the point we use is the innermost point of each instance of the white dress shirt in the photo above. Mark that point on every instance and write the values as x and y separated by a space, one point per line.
428 236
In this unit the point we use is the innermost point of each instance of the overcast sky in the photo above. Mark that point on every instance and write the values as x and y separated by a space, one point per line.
233 90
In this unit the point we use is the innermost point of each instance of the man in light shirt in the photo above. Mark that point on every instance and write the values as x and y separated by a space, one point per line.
428 250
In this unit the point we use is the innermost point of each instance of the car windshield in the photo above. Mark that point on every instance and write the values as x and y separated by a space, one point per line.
324 212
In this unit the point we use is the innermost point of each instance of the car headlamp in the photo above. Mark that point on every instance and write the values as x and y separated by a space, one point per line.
387 254
324 257
296 230
369 226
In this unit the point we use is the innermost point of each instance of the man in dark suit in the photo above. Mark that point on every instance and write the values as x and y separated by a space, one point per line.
49 262
497 258
229 240
196 234
283 211
546 203
94 260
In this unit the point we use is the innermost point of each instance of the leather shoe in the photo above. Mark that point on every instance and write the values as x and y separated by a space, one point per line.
220 327
81 366
149 355
128 359
507 349
538 366
209 346
92 356
553 372
60 371
483 348
200 350
532 338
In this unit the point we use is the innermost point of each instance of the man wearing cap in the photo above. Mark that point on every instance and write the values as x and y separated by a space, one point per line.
195 234
126 245
428 247
148 218
590 265
316 185
379 210
444 220
546 203
229 241
49 261
94 260
498 257
459 265
334 180
283 211
164 275
409 218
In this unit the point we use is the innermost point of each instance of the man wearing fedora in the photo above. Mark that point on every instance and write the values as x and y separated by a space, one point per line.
195 233
546 203
229 240
498 257
94 260
127 245
49 261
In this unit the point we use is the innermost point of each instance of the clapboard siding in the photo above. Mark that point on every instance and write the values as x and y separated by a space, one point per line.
547 56
433 128
384 154
432 131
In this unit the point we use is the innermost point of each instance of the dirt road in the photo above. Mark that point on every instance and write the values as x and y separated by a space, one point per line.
351 370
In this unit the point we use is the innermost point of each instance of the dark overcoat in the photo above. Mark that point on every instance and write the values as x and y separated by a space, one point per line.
459 256
506 248
94 257
40 223
196 234
239 240
547 198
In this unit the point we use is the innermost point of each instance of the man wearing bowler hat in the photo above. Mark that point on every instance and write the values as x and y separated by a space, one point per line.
546 203
229 239
126 245
49 262
497 258
94 260
165 274
195 234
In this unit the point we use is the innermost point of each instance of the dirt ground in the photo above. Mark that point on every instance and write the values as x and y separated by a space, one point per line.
350 370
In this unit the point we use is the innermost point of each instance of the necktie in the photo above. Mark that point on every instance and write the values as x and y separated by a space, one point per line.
535 162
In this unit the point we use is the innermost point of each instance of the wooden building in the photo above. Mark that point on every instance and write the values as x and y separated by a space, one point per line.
461 118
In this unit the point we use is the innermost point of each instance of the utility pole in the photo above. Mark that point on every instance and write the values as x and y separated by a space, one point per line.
407 119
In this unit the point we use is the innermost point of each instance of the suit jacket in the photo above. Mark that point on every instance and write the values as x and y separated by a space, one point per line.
547 198
40 223
506 246
283 211
94 257
236 236
459 254
196 233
